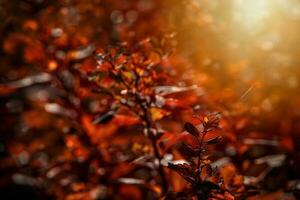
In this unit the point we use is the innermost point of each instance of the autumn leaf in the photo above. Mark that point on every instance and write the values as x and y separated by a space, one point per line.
214 140
158 113
191 129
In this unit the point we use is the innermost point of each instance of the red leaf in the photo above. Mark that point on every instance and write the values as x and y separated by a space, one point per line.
214 140
191 129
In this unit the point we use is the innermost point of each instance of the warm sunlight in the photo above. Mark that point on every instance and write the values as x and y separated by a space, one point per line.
251 14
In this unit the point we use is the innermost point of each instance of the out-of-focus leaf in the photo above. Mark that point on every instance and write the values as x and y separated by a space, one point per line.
261 142
59 110
158 113
173 103
170 139
165 90
220 162
81 53
100 132
133 181
105 117
30 80
25 180
272 160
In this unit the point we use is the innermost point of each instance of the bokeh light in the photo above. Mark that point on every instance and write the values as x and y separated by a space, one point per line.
241 42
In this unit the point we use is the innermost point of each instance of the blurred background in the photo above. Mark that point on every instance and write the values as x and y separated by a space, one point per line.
246 52
248 47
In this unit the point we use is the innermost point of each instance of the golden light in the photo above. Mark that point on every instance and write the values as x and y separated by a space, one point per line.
238 42
251 14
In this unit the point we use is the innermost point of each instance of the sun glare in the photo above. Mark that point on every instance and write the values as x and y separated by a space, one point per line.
251 15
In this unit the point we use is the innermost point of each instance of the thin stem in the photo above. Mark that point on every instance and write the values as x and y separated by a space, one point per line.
149 126
198 180
160 168
200 150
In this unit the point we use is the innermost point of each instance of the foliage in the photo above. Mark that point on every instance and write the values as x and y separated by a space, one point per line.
107 112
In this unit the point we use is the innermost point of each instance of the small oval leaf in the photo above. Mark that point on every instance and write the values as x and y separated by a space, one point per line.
215 140
191 129
188 151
